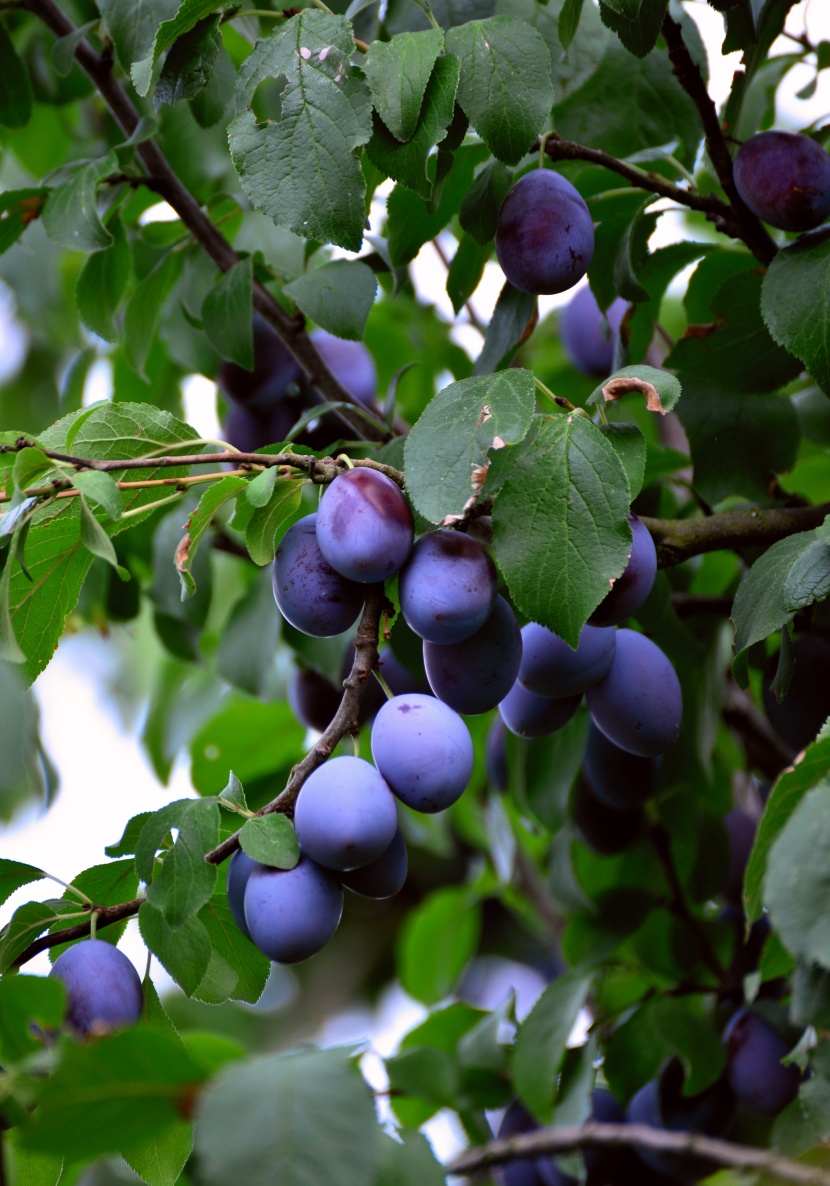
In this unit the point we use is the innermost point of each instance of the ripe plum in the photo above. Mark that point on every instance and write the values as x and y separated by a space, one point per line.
544 234
606 830
633 586
473 676
784 178
345 815
292 913
103 988
639 704
382 878
240 868
581 329
423 750
310 594
447 587
550 668
364 526
755 1071
528 715
618 778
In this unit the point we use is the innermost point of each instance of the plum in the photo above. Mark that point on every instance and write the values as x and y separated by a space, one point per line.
103 989
240 868
364 526
309 593
448 587
784 178
345 814
475 675
313 698
584 335
638 705
292 913
527 1171
544 234
381 878
550 668
495 756
618 778
350 363
528 715
275 372
632 587
423 750
755 1071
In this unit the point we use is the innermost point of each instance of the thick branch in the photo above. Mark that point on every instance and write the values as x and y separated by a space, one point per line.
167 184
660 1140
679 539
343 722
107 915
744 223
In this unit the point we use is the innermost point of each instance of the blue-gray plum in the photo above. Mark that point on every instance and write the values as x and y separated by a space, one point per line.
475 675
754 1068
275 373
314 699
544 234
550 668
364 526
631 589
240 868
588 343
784 178
292 913
382 878
310 594
350 362
526 1171
423 750
799 716
345 814
447 587
620 779
495 756
740 832
103 989
528 715
639 704
605 830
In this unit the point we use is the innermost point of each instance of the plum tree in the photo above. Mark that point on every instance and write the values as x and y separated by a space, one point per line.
588 337
310 594
550 668
475 675
638 705
528 715
632 587
364 526
448 587
345 814
617 777
544 235
103 989
798 717
760 1080
292 913
423 750
784 178
385 876
240 867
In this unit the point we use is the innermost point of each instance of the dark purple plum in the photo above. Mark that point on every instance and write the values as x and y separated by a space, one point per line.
240 868
605 830
351 363
550 668
447 587
784 178
528 715
740 832
800 715
584 335
747 949
364 526
544 234
526 1171
382 878
662 1104
754 1068
103 989
631 589
310 594
423 750
495 756
292 913
475 675
345 815
314 699
639 704
275 372
618 778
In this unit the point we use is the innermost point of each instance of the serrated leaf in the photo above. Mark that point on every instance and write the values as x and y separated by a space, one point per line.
301 169
189 65
100 488
637 23
398 72
268 523
145 307
809 578
189 13
541 1042
31 1168
30 466
789 307
338 296
227 313
24 926
14 875
133 23
15 88
505 89
234 793
102 283
185 881
513 315
480 209
70 214
560 526
104 885
126 846
197 524
159 1159
271 840
184 953
455 434
18 208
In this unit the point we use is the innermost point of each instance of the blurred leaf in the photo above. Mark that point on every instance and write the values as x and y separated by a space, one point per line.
541 1042
630 446
227 312
70 214
102 283
27 1002
466 270
513 318
569 18
185 953
338 296
159 1160
250 738
18 208
245 657
185 880
796 883
407 1161
437 941
15 88
30 1167
23 928
145 307
250 965
480 208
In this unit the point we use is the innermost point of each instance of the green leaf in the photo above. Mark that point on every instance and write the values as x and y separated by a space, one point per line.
456 433
480 209
660 389
63 50
408 163
132 25
465 271
436 944
338 296
102 283
25 1000
505 89
248 737
25 925
811 769
227 313
15 88
797 879
407 1161
126 846
630 446
18 208
31 1168
145 307
271 840
70 214
100 488
569 21
96 540
234 793
637 23
105 885
560 526
411 221
197 524
189 13
14 875
691 1036
189 65
111 1093
309 1113
541 1042
30 466
398 72
514 312
185 881
185 953
809 578
267 524
252 968
245 657
160 1159
300 169
796 320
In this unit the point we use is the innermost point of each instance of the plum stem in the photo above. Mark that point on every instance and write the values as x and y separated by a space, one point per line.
93 924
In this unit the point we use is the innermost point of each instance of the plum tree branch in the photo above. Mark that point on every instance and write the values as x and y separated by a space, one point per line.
679 539
106 916
167 184
343 722
690 1144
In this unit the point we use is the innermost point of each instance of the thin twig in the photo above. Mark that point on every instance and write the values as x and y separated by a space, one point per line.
105 917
